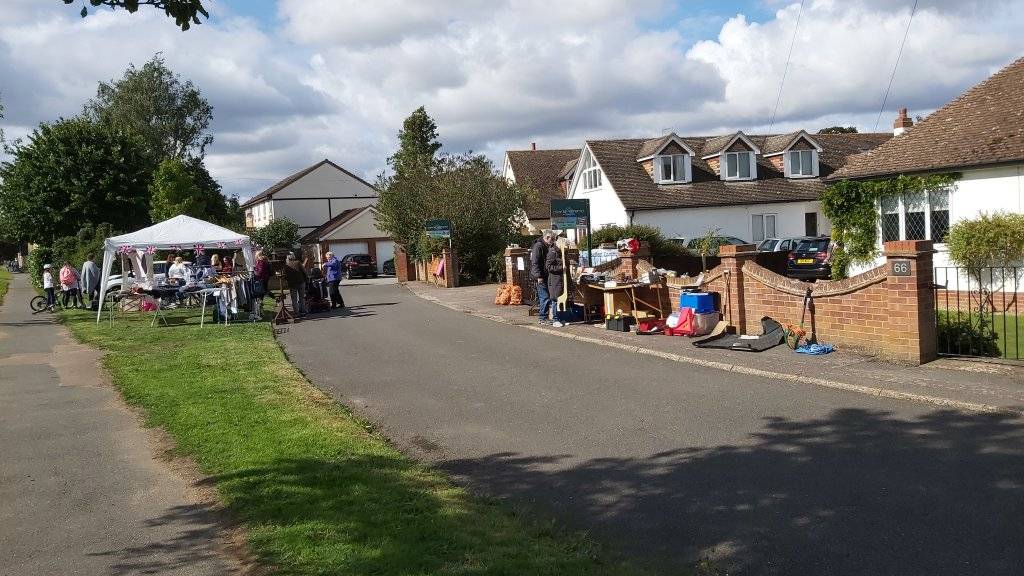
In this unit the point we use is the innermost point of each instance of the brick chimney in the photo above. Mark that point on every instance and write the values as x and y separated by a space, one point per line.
533 145
902 123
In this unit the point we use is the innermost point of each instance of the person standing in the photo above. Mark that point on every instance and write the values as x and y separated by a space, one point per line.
261 272
69 281
332 273
538 262
90 279
51 296
295 276
554 265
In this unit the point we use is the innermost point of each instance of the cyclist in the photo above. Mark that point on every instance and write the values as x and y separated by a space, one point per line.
51 298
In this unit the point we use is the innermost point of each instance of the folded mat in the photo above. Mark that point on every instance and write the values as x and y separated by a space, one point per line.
772 334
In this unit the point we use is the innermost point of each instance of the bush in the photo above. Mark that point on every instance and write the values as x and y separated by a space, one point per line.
988 240
967 337
660 246
36 258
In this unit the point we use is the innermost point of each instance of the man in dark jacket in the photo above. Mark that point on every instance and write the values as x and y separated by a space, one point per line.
538 271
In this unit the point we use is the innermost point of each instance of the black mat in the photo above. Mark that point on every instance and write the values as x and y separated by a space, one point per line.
772 334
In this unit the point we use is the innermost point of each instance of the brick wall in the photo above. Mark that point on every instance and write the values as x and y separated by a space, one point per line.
874 312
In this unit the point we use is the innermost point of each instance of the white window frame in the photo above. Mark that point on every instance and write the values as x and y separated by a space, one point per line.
901 210
724 165
764 226
673 178
590 175
789 164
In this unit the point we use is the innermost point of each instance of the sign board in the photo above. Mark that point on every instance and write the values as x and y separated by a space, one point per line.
901 267
437 228
569 214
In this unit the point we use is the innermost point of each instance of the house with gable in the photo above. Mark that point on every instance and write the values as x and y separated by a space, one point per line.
748 186
548 172
979 135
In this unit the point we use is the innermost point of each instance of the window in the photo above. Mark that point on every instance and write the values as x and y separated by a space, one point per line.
917 216
801 163
590 173
762 226
737 165
670 168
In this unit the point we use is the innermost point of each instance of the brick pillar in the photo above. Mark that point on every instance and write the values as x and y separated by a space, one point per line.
733 258
401 263
513 275
451 266
911 301
628 260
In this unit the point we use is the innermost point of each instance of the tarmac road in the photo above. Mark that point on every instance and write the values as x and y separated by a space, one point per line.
670 463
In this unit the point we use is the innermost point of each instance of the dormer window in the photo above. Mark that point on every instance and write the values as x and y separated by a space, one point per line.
672 169
801 163
739 166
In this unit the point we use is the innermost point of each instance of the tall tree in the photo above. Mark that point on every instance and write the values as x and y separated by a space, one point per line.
184 12
169 115
838 130
71 173
174 191
417 142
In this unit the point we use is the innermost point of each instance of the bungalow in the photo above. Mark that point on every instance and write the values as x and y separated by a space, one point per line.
979 135
354 231
748 186
547 171
310 197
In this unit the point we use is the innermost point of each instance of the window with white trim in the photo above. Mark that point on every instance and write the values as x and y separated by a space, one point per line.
739 165
673 168
915 216
590 173
801 163
762 226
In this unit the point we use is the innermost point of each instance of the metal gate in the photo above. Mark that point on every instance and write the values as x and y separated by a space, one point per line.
976 311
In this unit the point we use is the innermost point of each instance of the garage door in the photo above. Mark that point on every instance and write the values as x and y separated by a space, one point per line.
385 252
340 249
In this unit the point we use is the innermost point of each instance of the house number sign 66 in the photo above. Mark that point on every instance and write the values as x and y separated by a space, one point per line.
901 268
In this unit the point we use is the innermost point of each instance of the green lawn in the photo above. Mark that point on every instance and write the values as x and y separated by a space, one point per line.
1008 330
5 283
318 491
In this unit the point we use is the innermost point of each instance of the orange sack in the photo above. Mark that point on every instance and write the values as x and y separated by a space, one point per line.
517 296
503 296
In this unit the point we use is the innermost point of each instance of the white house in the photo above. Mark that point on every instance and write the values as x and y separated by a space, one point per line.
748 186
310 197
979 135
545 171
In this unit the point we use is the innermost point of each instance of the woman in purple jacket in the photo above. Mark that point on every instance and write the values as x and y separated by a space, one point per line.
332 273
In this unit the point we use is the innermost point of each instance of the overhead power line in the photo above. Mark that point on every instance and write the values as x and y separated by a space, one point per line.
785 70
895 67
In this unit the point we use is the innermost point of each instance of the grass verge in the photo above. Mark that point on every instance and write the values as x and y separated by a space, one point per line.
318 492
5 283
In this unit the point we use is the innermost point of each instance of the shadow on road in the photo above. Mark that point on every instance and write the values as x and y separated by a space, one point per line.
859 492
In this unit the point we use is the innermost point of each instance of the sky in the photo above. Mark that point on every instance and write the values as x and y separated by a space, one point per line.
296 81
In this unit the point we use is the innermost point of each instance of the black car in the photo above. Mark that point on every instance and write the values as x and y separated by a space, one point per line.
388 267
362 265
811 259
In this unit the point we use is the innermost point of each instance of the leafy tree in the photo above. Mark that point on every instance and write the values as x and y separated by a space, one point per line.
417 143
184 12
280 233
69 174
838 130
174 191
171 117
234 217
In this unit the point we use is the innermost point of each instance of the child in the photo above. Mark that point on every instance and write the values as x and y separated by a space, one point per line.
51 298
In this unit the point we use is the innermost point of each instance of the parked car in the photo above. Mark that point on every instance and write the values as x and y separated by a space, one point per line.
159 275
811 259
716 241
362 265
781 244
389 266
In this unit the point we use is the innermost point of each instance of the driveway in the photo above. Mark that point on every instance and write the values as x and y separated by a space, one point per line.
81 488
669 463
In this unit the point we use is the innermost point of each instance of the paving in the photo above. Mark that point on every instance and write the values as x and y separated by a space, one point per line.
963 384
81 489
668 462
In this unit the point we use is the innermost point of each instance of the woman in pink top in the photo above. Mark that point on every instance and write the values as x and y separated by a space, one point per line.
69 280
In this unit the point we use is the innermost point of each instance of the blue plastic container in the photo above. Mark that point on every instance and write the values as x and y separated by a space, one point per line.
701 302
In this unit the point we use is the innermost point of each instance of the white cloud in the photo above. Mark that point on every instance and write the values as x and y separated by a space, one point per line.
339 76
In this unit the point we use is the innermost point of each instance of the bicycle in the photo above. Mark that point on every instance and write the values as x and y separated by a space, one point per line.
38 304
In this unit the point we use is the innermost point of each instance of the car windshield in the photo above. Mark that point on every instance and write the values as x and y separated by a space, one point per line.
767 245
813 245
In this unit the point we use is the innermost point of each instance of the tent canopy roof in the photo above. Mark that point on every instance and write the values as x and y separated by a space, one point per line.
178 231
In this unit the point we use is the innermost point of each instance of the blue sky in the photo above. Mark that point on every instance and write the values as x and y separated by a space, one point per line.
296 81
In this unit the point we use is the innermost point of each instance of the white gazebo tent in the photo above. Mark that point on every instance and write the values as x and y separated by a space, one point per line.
179 233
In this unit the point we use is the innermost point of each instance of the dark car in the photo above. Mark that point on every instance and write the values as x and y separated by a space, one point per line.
811 259
362 265
389 267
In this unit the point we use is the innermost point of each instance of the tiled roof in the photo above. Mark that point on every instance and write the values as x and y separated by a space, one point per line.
649 147
985 125
327 227
541 168
568 169
282 184
637 190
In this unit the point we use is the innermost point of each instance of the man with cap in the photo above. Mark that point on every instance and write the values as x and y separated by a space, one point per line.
51 297
538 258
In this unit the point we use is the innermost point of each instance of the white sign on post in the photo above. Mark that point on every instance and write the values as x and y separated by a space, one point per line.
520 263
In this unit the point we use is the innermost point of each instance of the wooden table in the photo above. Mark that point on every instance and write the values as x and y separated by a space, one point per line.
629 293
